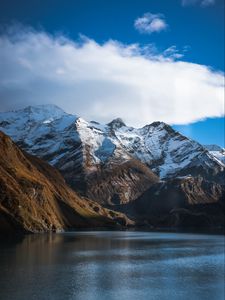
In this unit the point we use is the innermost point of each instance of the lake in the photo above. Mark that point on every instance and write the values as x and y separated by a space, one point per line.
105 265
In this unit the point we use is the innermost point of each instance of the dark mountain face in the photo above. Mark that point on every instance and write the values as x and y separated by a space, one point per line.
119 184
34 197
116 124
182 202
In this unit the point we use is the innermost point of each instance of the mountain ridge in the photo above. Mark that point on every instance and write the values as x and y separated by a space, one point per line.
83 151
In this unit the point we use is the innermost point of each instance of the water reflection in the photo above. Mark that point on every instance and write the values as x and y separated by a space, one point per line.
113 265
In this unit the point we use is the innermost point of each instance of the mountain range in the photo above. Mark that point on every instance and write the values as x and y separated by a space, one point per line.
152 174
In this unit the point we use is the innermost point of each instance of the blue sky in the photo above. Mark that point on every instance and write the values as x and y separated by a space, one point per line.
195 28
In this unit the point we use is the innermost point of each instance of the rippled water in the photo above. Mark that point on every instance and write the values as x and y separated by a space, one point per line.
113 265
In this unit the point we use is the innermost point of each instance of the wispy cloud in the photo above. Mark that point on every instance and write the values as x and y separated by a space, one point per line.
104 81
174 53
150 23
203 3
207 2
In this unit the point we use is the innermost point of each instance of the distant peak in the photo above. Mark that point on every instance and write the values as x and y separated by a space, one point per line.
43 112
43 107
34 113
158 124
162 125
213 147
116 123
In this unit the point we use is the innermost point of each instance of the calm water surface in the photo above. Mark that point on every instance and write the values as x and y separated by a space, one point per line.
105 265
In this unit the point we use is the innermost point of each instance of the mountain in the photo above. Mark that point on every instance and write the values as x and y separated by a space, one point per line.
217 152
182 202
111 163
168 153
34 197
82 151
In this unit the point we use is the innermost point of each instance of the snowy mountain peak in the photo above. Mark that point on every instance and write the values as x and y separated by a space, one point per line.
116 123
213 147
158 124
44 110
161 126
32 122
37 113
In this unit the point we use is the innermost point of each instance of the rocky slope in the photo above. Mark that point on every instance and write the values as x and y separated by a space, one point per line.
34 197
181 202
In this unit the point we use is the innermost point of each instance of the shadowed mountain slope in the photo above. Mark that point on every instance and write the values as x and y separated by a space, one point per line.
181 202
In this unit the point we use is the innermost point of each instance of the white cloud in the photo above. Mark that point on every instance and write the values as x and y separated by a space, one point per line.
150 23
203 3
105 81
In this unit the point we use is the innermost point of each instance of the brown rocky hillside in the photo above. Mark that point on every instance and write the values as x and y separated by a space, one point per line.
34 196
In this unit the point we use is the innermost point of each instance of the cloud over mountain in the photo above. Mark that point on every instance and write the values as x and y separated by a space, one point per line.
104 81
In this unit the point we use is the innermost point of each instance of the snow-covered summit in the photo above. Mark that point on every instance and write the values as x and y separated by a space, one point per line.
34 113
45 110
33 122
